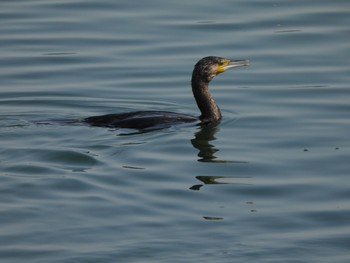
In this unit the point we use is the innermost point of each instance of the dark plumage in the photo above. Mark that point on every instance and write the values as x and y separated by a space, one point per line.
204 71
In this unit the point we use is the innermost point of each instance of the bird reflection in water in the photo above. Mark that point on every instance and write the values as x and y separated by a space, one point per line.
203 141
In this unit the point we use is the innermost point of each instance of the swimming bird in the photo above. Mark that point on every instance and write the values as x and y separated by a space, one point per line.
204 71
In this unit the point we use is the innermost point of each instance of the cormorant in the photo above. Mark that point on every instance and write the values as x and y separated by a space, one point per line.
204 71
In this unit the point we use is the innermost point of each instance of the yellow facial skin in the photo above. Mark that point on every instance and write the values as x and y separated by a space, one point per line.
227 64
223 66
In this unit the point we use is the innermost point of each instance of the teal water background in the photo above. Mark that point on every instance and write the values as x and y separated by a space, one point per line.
270 183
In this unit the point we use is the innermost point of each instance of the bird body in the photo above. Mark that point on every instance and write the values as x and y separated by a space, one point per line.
141 119
204 71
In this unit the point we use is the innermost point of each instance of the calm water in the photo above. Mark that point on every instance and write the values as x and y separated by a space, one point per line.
270 183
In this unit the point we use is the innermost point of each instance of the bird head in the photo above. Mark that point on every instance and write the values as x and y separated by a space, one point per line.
207 68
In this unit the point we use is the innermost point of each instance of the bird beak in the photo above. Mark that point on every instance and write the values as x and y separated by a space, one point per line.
232 64
236 63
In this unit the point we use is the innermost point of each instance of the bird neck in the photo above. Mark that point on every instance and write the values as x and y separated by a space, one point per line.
210 111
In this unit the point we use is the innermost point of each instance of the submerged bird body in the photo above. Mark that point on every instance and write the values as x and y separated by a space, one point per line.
141 119
204 71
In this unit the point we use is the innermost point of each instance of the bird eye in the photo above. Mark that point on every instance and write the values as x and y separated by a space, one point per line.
224 62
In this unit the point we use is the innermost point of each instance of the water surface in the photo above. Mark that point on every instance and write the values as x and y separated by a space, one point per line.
268 184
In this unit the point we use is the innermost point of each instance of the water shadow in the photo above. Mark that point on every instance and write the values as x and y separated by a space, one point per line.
213 179
203 141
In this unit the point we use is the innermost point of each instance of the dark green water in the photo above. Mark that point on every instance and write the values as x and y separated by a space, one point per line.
270 183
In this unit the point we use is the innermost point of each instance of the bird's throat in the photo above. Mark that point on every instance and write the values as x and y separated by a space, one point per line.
210 112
